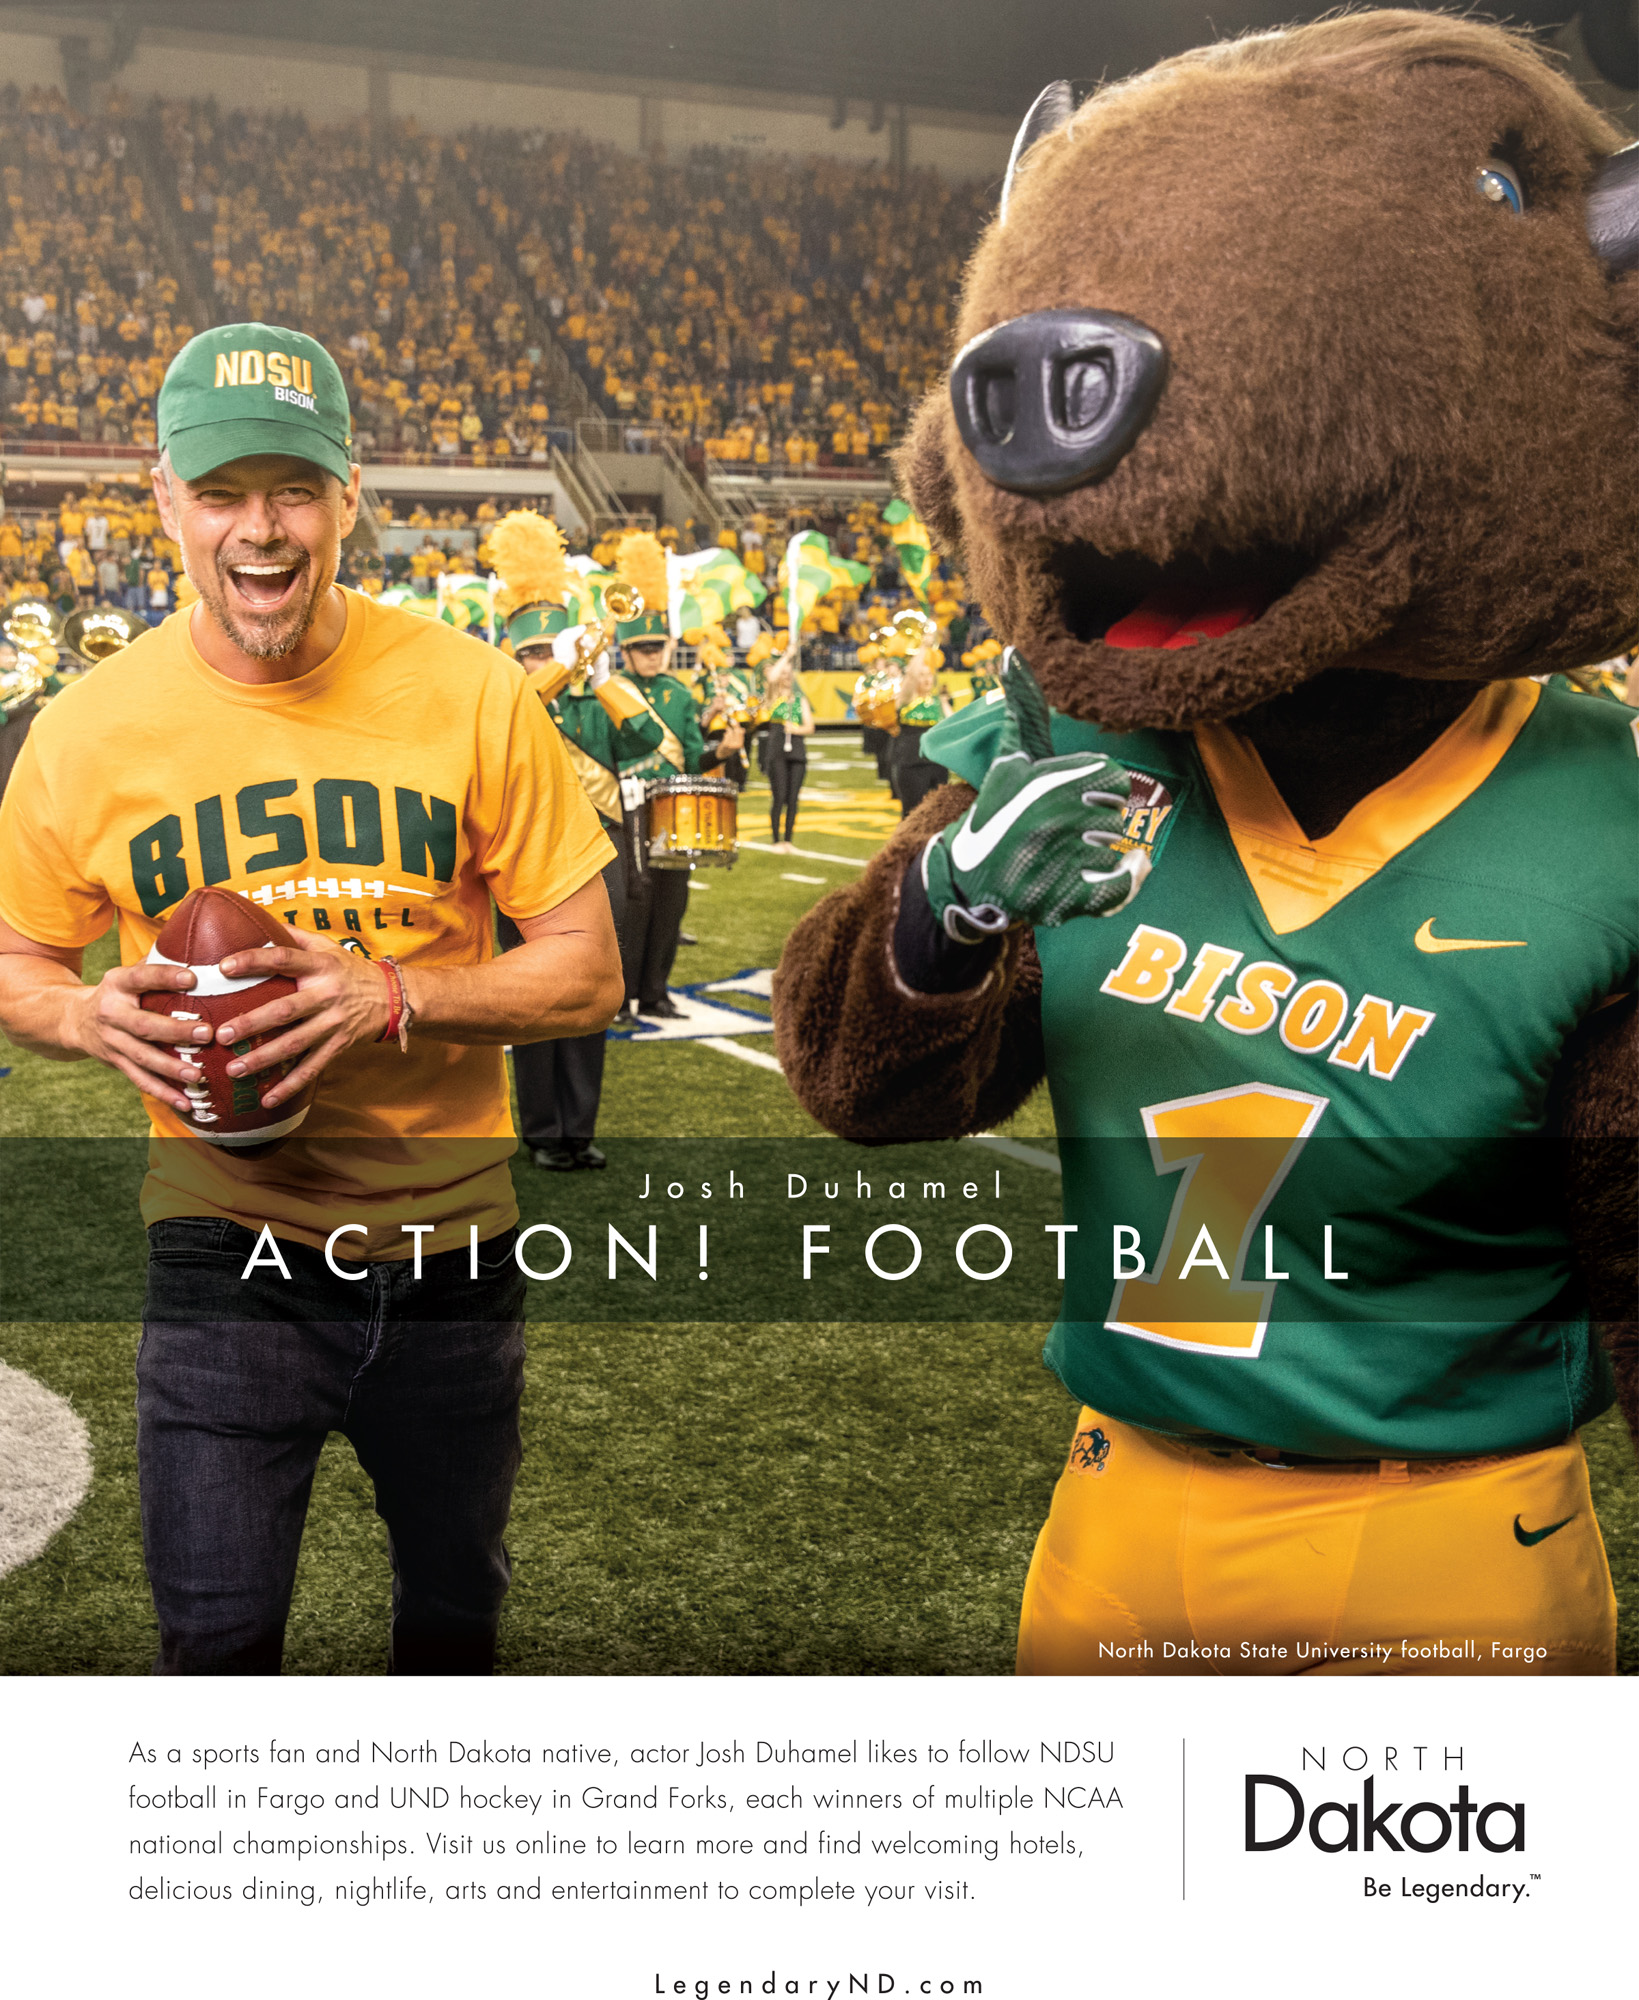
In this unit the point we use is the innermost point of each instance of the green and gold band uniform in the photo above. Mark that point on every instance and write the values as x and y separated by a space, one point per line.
683 750
599 750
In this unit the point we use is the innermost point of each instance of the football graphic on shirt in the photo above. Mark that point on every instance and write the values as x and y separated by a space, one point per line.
207 926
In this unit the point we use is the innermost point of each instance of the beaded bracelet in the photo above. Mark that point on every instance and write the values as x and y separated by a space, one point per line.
399 1011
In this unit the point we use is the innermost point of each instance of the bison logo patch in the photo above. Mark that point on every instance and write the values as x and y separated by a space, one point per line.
1090 1451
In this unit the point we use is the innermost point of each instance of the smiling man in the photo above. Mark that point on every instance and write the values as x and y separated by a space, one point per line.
374 781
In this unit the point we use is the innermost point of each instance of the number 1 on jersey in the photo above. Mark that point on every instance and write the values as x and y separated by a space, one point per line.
1233 1148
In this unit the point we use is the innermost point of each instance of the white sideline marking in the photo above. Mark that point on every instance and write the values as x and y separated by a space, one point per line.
1031 1157
724 1046
45 1466
759 983
806 854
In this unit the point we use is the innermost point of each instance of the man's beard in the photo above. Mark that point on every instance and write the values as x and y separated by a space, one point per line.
275 634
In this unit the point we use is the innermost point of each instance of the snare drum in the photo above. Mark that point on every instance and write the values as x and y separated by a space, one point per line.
692 820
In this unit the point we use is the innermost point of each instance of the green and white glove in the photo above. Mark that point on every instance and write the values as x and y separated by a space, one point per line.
1035 845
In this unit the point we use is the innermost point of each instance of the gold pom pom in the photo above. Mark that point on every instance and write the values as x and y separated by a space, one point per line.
529 557
641 562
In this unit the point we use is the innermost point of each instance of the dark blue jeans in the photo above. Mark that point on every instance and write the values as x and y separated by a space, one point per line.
239 1384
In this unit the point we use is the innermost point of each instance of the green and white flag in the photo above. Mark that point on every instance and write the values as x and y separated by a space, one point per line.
917 561
811 571
708 587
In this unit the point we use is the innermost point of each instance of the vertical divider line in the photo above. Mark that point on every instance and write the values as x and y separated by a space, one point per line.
1183 1819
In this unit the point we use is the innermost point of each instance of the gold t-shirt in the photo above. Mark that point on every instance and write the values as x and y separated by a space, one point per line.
384 797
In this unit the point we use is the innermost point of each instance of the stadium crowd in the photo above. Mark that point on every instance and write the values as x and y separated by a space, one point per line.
88 307
362 240
778 313
766 312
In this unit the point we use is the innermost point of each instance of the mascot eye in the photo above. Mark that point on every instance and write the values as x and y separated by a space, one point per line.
1497 182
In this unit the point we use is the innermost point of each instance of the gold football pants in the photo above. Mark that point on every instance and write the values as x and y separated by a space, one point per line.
1165 1558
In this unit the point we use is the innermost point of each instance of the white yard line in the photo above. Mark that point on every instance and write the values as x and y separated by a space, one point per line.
727 1047
806 854
1011 1148
813 881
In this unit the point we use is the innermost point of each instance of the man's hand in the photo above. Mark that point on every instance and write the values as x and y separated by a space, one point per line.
1035 845
109 1023
340 999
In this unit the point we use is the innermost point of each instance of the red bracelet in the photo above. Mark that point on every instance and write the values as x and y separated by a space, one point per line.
398 1005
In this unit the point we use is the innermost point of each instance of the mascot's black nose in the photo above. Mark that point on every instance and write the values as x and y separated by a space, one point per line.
1055 400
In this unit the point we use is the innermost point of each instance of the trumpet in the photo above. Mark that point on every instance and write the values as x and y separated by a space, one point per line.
620 700
596 636
620 600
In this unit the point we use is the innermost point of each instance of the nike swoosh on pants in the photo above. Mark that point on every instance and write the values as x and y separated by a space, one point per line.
1529 1537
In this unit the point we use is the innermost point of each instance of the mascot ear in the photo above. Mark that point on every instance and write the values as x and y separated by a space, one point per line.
1055 106
1613 211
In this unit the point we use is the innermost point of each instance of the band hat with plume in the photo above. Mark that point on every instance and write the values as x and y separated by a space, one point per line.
527 551
640 561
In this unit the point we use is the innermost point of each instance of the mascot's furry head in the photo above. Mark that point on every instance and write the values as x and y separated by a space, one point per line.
1316 349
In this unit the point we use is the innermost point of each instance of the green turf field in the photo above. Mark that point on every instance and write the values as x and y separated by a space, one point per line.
814 1498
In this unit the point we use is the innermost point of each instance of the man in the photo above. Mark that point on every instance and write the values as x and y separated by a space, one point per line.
371 779
655 915
602 719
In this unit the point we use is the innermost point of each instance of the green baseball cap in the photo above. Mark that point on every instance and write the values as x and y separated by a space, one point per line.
532 624
646 625
237 391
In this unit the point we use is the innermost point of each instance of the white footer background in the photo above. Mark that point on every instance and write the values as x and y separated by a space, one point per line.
1159 1888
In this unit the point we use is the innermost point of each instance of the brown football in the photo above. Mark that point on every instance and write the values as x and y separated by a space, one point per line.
203 929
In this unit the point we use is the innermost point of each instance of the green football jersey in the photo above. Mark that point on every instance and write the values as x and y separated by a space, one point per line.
1306 1083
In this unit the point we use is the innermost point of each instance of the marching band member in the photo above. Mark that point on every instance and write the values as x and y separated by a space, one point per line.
654 917
785 748
921 705
603 721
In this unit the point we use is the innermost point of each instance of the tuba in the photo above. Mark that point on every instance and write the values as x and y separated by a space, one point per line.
93 635
31 628
20 684
31 624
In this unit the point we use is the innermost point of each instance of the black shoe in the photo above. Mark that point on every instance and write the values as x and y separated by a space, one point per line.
687 937
558 1159
663 1009
588 1155
626 1018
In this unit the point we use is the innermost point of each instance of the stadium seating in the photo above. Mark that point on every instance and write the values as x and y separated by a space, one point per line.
362 240
779 313
88 302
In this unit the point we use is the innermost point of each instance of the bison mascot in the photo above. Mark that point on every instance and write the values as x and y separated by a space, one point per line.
1292 440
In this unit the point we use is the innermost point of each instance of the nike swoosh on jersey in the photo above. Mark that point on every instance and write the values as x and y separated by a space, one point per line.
1529 1537
1425 940
969 846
